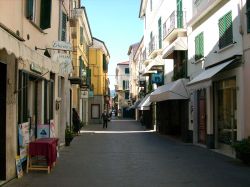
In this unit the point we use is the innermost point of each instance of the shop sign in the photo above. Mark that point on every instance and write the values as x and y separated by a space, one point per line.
36 68
62 58
61 45
43 131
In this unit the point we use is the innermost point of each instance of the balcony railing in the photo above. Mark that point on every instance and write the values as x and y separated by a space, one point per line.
177 20
154 45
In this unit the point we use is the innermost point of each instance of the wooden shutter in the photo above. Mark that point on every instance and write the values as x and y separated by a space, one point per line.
45 14
29 9
123 84
159 33
199 46
81 35
179 14
225 30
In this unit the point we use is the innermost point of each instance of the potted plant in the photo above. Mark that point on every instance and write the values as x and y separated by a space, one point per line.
242 149
68 136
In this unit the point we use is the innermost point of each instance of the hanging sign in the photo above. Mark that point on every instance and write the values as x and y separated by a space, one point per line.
61 45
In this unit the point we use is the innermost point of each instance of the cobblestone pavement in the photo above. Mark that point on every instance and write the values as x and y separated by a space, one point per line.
127 155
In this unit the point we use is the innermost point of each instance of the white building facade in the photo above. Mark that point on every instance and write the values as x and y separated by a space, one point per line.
216 74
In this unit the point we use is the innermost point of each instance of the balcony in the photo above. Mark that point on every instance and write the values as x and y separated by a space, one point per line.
75 14
76 75
175 26
154 46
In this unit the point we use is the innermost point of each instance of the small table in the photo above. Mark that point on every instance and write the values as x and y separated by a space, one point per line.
45 147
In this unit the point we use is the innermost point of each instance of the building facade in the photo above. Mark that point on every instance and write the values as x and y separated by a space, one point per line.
98 71
81 41
216 74
122 88
34 76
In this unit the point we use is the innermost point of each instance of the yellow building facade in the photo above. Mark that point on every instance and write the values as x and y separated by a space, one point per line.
81 41
98 71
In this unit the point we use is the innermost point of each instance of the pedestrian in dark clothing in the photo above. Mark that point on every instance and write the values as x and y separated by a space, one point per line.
105 119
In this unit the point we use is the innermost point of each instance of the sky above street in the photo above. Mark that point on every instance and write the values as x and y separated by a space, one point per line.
115 22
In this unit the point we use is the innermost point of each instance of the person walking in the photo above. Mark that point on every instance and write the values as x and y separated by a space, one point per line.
105 119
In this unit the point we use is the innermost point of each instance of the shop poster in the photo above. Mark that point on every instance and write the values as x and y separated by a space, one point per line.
52 129
43 131
24 139
19 168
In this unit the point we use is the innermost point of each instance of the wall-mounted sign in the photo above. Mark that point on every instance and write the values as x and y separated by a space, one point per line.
62 58
157 78
36 68
84 94
61 45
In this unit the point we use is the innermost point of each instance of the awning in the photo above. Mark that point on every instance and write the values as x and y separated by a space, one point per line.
205 77
180 44
145 103
135 105
153 66
171 91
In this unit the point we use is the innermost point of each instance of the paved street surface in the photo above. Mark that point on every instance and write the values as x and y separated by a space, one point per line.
126 155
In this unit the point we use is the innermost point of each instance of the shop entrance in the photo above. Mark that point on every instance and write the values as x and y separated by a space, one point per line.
226 105
3 69
202 116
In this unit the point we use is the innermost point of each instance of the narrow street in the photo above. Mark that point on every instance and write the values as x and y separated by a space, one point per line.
126 155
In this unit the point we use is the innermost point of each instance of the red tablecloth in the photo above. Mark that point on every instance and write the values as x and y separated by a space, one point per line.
44 147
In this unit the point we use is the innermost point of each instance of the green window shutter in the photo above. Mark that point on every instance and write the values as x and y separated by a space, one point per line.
199 46
123 84
179 14
45 14
248 16
225 30
159 33
126 70
29 9
64 27
104 63
81 35
89 77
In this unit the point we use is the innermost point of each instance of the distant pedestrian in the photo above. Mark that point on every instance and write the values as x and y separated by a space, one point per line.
105 117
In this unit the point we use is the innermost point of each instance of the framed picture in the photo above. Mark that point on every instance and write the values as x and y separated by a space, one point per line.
95 111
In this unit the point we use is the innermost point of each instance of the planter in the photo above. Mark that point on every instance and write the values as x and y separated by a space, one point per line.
244 157
67 141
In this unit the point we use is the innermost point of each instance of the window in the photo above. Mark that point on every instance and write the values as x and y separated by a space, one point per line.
81 35
179 14
45 14
199 46
23 97
159 33
126 95
126 70
104 63
125 84
225 30
33 9
248 16
64 27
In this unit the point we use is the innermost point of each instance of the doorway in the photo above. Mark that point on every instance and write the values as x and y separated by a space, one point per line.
3 74
202 116
226 118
